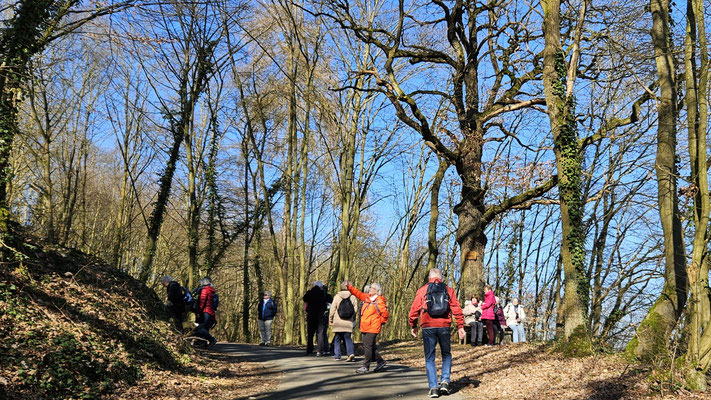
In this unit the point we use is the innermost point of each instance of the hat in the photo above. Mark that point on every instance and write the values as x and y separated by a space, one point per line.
318 283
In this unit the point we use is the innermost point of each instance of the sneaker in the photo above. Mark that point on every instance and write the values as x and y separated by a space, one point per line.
262 344
444 387
434 393
212 343
379 366
319 354
268 343
337 358
362 370
351 358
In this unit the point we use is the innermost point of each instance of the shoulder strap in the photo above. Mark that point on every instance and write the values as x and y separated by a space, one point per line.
375 303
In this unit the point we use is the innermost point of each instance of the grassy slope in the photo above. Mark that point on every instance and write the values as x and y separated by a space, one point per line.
73 327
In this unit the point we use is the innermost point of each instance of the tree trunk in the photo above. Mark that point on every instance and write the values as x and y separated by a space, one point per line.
558 82
432 245
697 116
655 329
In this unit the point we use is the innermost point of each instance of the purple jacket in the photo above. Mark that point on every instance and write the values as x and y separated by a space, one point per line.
500 315
487 306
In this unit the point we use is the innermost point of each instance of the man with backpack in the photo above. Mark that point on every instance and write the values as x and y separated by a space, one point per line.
207 302
175 305
342 320
433 307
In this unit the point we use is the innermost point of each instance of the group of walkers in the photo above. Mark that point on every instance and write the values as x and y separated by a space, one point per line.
432 310
203 301
490 314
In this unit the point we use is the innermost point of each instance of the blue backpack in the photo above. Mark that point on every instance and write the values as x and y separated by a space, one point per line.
188 299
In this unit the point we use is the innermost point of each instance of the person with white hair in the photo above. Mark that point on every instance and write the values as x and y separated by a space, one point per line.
515 315
266 311
206 310
434 306
373 314
316 300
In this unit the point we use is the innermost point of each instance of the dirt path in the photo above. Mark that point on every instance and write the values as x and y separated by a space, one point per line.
325 378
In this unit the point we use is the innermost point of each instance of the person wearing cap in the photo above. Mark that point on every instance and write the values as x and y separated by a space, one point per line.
266 311
316 324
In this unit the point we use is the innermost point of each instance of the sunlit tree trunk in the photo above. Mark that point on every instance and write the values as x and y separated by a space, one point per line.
697 356
655 329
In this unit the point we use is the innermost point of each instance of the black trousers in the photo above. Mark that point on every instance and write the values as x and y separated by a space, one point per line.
177 315
477 332
499 332
315 325
371 352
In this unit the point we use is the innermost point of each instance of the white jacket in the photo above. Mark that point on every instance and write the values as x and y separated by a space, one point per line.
510 314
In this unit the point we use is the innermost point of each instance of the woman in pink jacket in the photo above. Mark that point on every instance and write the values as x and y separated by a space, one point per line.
487 313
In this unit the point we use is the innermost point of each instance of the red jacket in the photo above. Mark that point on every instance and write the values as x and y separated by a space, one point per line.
417 311
373 314
205 303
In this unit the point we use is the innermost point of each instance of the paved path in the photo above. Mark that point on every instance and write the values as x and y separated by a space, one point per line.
325 378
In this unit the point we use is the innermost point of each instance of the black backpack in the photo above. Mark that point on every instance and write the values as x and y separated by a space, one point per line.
437 299
346 309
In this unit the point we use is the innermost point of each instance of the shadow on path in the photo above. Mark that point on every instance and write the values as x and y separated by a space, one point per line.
309 377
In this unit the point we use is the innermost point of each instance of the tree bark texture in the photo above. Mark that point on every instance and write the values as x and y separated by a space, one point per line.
655 329
561 112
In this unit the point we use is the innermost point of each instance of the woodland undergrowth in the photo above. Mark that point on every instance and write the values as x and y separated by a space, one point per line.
74 327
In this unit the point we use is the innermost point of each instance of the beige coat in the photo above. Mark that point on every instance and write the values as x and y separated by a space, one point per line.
338 324
469 311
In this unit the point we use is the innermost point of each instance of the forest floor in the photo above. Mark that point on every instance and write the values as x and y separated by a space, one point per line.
73 327
515 371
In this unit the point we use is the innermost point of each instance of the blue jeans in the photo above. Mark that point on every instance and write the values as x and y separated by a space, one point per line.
346 336
519 335
203 329
430 337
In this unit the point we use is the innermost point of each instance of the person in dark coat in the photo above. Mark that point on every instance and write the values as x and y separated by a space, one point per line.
316 324
266 310
175 305
499 321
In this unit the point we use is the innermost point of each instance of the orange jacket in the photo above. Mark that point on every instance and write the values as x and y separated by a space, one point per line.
373 313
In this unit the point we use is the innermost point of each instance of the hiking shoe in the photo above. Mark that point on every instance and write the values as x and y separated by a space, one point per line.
380 366
362 370
351 358
434 393
444 387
